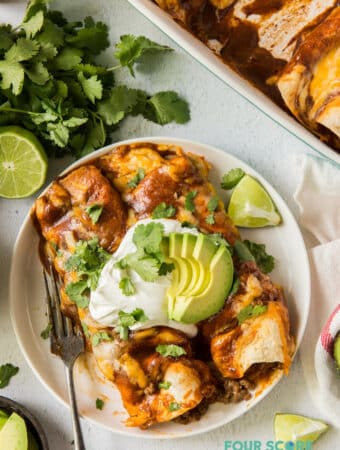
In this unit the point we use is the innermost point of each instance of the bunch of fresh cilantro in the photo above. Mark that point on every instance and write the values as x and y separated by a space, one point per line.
51 84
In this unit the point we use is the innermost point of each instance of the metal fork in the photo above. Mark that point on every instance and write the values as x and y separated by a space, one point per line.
67 341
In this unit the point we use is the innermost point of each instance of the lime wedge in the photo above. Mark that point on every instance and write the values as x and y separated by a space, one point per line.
292 427
23 163
251 206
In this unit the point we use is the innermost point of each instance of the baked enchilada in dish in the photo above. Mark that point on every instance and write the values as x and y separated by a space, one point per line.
289 49
150 267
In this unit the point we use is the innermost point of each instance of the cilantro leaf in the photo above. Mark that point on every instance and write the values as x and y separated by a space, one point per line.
99 403
127 320
94 37
6 37
95 136
45 334
127 286
232 178
68 58
166 268
38 73
166 107
189 203
34 24
58 133
94 211
265 261
121 102
213 203
137 178
7 371
92 87
174 406
210 219
164 385
51 35
146 266
218 239
148 237
243 252
13 75
163 211
250 311
131 48
75 290
101 336
170 350
22 50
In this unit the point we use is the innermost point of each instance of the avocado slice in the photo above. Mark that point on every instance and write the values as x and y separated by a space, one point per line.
189 243
204 251
193 309
13 436
337 350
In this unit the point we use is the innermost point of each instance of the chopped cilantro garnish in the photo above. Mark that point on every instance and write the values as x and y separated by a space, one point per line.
187 224
148 237
218 239
164 385
213 203
45 334
85 329
87 261
78 293
189 201
174 406
99 337
166 268
137 178
7 371
163 211
265 261
170 350
210 219
94 211
250 311
127 286
232 178
127 320
250 251
99 403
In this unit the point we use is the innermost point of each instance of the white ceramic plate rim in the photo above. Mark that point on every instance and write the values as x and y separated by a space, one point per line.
195 48
185 144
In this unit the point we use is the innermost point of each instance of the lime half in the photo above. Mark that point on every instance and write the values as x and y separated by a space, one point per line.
292 427
251 206
23 163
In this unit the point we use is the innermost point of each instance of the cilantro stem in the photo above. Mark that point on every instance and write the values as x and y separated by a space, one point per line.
111 69
21 111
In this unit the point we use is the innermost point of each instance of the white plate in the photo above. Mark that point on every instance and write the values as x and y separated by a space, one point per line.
205 56
29 319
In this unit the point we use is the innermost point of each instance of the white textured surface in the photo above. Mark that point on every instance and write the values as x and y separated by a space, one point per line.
221 118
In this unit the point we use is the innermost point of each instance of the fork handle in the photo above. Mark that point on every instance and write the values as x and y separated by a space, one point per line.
78 436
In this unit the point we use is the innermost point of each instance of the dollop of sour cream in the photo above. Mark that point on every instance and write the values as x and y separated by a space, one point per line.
108 299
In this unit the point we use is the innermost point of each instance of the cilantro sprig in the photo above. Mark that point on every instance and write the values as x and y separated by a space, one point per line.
148 261
51 84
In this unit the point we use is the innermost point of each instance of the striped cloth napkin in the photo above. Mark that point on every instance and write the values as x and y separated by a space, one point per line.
318 199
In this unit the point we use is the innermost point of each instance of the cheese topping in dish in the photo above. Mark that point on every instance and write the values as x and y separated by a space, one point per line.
108 299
